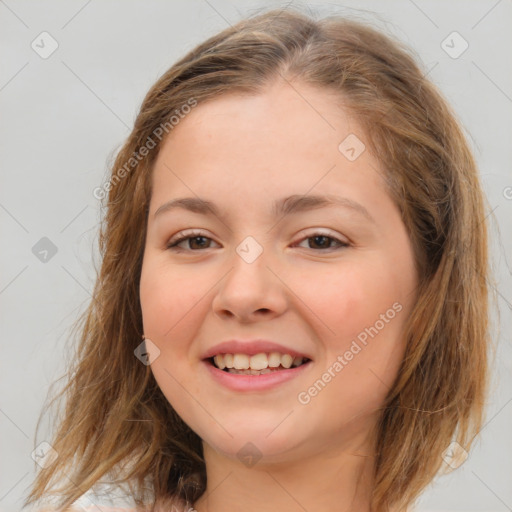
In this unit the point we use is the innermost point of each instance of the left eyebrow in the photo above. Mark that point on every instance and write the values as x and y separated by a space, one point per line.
284 206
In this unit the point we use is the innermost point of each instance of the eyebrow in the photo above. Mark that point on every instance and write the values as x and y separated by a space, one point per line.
284 206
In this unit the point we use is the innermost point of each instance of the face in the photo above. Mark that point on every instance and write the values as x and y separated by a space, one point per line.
332 282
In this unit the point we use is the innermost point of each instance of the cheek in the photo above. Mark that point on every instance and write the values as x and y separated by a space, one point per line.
360 309
362 354
168 303
350 297
168 297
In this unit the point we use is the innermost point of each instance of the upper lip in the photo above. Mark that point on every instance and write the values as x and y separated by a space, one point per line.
251 347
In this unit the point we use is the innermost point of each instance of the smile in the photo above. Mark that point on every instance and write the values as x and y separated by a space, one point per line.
258 372
258 364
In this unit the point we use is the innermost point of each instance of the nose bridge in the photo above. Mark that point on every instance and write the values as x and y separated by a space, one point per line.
250 285
250 250
249 266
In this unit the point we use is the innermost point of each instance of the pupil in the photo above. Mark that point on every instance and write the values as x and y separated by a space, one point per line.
316 238
194 239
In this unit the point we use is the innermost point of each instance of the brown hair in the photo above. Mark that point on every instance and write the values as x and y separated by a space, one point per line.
115 411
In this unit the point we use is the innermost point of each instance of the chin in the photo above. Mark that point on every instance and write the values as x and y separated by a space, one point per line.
255 441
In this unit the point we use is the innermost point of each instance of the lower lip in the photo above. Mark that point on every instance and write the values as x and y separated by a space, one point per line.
238 382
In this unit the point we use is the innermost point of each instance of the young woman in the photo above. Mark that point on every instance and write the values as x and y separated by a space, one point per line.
291 312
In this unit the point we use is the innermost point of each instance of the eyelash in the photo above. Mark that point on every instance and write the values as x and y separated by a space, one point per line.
194 234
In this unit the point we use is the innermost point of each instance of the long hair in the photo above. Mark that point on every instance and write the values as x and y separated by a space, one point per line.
117 417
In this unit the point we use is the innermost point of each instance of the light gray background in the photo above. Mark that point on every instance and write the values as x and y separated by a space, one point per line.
63 118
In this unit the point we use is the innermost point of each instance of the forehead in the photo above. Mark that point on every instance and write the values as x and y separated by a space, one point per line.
286 139
281 113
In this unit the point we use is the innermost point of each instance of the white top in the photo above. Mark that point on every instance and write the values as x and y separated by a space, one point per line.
104 497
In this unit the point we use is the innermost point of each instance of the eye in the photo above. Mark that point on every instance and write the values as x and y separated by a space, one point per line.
323 240
196 237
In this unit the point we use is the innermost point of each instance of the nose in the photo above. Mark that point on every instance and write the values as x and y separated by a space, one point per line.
250 292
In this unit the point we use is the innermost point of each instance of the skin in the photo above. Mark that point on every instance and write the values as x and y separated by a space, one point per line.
243 152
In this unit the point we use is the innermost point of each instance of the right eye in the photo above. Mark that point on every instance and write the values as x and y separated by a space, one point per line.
197 237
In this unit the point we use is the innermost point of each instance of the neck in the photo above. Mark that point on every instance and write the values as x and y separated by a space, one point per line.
334 479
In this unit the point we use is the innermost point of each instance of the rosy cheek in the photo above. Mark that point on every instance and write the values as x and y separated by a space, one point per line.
162 290
349 299
355 301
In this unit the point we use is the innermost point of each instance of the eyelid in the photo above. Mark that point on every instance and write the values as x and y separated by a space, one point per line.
187 233
324 232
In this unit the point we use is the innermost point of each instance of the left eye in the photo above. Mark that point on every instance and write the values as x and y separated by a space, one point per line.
322 241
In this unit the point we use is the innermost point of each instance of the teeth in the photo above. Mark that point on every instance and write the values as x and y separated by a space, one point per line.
286 360
228 360
259 363
241 361
219 362
297 361
274 359
249 372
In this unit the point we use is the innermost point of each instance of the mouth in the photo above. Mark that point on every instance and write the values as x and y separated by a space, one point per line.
257 364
